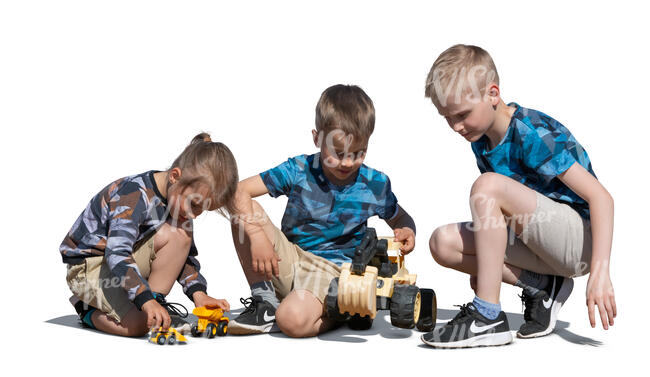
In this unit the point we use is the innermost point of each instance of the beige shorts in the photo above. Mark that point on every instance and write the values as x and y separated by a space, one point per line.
556 241
93 283
301 270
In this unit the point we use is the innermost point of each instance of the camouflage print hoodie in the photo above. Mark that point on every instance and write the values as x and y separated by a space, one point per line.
123 213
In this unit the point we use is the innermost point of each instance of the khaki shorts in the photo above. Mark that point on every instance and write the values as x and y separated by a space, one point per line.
301 270
556 241
94 284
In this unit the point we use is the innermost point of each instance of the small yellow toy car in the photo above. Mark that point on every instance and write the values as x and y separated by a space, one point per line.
211 322
171 336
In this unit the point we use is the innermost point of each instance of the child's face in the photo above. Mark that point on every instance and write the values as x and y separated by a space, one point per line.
341 155
469 120
188 202
472 116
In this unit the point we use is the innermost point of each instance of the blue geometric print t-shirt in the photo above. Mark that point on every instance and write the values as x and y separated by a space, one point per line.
323 218
534 151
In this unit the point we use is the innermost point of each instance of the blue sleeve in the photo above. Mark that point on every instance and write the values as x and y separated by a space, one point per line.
280 179
546 153
387 201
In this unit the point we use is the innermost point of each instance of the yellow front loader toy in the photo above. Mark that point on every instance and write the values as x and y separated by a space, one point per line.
376 280
211 322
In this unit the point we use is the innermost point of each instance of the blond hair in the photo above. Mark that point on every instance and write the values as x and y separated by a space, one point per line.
458 70
348 108
211 163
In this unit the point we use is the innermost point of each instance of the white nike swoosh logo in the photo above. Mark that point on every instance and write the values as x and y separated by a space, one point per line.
547 303
477 329
268 318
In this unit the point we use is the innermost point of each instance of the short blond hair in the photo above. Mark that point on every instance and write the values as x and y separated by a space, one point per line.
458 70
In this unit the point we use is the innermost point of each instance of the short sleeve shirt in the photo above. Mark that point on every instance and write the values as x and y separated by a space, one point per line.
534 151
323 218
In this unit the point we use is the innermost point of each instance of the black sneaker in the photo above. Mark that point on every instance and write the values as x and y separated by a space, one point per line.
82 309
542 308
258 317
177 316
469 328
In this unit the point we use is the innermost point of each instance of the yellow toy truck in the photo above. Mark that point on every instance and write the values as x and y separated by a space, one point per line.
376 280
211 322
171 336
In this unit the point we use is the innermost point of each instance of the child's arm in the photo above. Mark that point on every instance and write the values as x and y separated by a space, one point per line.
194 284
404 227
126 213
264 258
600 292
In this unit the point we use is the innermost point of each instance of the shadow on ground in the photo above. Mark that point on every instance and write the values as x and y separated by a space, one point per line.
72 320
381 326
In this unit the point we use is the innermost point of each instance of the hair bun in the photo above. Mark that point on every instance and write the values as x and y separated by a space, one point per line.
203 136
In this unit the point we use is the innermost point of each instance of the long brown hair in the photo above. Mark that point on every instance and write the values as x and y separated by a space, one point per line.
211 163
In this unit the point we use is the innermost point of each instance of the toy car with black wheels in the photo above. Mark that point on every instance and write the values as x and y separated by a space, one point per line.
376 281
170 336
211 322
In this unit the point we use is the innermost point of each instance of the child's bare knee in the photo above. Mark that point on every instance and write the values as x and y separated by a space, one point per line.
441 245
487 184
292 321
166 233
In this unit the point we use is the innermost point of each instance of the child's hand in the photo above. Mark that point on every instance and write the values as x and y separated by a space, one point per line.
265 261
202 299
156 315
600 293
407 237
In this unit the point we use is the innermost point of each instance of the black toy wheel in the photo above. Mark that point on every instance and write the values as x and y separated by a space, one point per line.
161 339
211 330
405 306
171 339
222 328
428 310
194 330
332 302
358 322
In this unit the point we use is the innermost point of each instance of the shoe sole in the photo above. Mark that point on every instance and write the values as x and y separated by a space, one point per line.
562 295
486 340
235 328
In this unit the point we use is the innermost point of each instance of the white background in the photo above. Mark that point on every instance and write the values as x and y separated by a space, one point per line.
93 91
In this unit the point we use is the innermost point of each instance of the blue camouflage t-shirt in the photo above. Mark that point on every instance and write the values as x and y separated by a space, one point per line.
323 218
534 151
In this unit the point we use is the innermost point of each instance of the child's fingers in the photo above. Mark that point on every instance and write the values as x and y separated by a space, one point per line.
166 321
225 305
150 320
276 268
590 310
610 312
156 320
407 245
268 268
603 315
